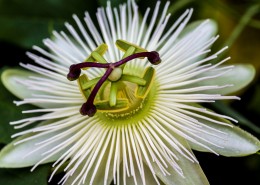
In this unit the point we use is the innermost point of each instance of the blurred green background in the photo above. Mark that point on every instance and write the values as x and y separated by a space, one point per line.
24 23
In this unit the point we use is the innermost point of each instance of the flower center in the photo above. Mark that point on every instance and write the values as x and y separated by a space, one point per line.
115 91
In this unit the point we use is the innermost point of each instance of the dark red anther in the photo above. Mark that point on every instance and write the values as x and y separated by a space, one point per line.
87 109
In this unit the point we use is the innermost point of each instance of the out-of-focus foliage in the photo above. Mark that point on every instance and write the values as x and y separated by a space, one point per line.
24 23
23 176
27 22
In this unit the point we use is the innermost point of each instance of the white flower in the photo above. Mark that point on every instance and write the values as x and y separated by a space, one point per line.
145 126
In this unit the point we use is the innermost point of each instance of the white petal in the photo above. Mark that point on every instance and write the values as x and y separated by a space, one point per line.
99 174
191 47
99 177
16 156
239 77
210 28
149 179
9 78
234 141
40 91
192 172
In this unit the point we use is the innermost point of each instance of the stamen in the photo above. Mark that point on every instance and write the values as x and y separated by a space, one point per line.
154 58
89 108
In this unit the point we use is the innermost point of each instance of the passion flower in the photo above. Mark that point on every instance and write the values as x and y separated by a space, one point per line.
122 104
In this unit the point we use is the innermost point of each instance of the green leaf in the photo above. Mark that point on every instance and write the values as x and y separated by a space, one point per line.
9 112
24 176
233 141
26 23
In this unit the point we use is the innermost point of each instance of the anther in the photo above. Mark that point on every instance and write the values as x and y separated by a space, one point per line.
75 69
154 58
74 73
87 109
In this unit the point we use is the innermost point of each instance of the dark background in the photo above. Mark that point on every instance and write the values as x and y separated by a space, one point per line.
24 23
